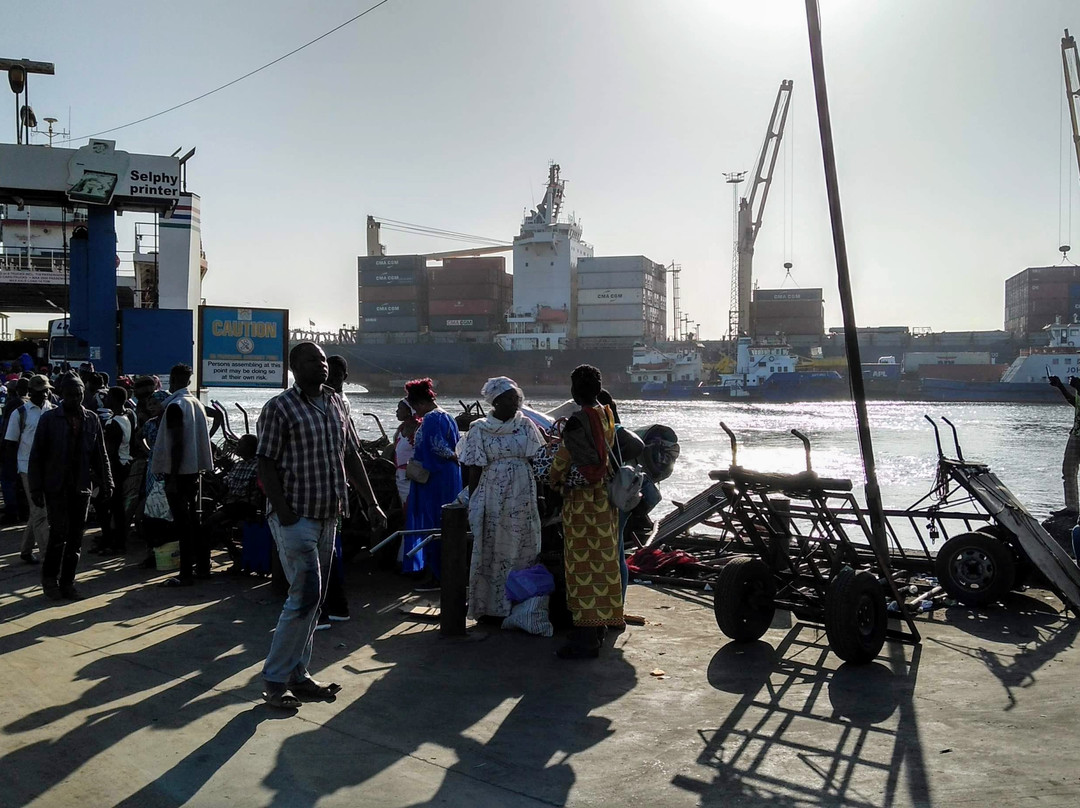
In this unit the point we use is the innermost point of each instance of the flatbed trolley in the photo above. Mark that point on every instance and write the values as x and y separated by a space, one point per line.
802 543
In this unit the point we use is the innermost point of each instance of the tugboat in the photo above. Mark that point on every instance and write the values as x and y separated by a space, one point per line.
764 370
665 375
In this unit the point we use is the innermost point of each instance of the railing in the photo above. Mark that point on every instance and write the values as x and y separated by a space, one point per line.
343 336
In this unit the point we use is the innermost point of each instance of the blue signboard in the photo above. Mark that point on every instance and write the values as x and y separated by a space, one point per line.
243 347
153 340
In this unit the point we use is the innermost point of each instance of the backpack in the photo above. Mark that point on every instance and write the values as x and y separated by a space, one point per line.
624 487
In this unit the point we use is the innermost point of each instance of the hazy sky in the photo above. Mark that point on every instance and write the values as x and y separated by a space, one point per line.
948 118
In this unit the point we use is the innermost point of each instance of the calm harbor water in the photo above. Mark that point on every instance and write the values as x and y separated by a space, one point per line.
1023 443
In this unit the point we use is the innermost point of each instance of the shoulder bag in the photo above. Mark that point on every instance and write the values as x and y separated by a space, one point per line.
416 472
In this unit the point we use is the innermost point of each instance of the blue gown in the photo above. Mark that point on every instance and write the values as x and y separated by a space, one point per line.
435 444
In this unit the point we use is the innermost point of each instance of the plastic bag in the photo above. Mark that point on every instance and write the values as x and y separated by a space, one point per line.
521 585
531 616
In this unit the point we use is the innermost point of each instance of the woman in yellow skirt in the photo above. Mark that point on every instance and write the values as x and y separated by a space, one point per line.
590 522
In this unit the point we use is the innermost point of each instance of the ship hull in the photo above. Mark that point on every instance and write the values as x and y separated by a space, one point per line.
998 392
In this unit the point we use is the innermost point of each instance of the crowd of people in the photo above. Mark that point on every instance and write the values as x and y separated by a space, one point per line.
133 451
142 454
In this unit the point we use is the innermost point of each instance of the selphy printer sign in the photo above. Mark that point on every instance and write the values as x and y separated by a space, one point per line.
243 347
97 172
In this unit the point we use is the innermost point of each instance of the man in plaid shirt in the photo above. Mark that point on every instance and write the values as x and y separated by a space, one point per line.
308 451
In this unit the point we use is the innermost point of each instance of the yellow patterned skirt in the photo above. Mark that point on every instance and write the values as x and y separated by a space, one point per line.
591 551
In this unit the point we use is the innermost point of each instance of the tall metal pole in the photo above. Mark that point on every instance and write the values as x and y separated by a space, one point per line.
851 335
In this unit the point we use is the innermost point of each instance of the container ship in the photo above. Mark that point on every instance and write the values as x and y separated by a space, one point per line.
461 318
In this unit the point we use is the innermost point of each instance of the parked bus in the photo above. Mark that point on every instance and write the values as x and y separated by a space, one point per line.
64 347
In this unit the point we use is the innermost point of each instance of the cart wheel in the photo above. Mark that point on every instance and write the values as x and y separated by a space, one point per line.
855 615
1024 570
975 568
743 603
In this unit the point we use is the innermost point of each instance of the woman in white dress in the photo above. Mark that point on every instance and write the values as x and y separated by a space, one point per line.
503 516
403 446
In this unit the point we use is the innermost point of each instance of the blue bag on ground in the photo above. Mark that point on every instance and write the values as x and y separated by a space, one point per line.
529 583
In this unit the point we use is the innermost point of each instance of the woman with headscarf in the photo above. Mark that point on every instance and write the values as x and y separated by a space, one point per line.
403 447
436 483
503 516
590 523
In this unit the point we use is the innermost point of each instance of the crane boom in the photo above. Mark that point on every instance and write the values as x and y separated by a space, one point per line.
752 206
1072 86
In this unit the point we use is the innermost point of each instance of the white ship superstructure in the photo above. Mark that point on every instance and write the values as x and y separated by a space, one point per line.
650 364
1061 357
546 253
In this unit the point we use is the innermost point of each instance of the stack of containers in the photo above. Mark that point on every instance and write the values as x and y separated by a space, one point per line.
469 294
1037 296
792 312
621 300
393 293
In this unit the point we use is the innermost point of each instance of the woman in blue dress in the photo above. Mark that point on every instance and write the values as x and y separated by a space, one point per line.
434 448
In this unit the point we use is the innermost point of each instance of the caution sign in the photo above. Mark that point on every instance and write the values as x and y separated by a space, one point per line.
243 347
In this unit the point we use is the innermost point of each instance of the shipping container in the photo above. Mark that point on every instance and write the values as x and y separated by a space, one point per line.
621 263
611 328
789 325
596 297
762 295
452 307
620 280
1057 305
465 291
612 311
1048 290
461 323
801 325
397 308
470 270
1054 273
391 263
914 360
779 308
391 294
390 277
373 324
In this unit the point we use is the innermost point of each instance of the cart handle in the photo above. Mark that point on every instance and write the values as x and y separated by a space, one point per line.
377 421
734 443
226 427
956 439
937 436
247 424
806 446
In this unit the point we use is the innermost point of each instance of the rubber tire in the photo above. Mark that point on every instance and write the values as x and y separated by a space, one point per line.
1025 573
744 600
856 617
998 568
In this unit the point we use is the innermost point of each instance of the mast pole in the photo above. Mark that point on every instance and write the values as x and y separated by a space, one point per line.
851 335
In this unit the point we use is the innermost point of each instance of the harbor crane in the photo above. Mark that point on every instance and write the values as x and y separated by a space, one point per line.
1072 86
751 210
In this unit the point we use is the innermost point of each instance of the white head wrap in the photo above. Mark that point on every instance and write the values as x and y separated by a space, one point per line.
493 388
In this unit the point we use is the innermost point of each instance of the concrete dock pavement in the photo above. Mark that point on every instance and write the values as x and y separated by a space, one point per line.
142 696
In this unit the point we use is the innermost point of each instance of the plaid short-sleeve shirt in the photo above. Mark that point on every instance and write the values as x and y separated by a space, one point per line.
307 439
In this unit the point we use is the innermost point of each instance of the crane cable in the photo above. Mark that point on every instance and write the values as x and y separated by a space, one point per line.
234 81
